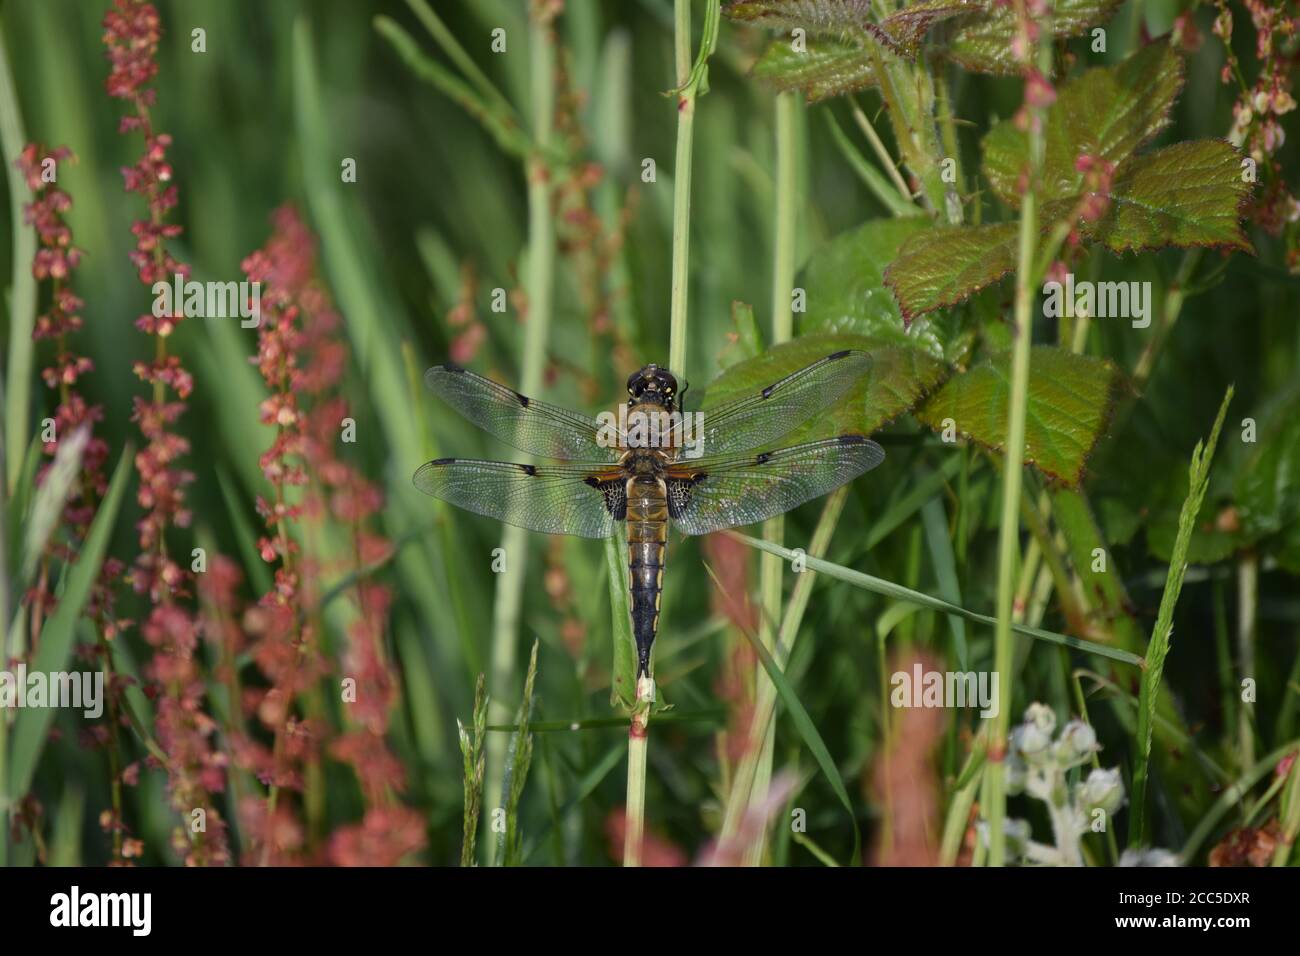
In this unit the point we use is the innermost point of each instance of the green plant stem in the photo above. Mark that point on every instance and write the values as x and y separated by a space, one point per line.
540 277
1174 299
681 188
1198 476
22 292
1012 473
878 146
1289 814
770 566
1247 611
743 781
638 741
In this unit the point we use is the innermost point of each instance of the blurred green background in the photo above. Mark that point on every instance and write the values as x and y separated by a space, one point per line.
287 90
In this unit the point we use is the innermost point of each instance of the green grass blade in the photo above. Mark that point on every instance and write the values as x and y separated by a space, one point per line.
32 725
899 593
22 293
1198 483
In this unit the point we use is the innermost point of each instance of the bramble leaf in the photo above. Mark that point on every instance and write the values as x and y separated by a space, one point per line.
909 25
1188 194
826 68
899 378
817 17
1069 403
984 43
942 267
1107 113
844 284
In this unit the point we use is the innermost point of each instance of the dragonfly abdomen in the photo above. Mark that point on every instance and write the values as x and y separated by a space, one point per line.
647 535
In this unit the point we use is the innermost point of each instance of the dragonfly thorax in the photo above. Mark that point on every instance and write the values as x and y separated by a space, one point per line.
652 385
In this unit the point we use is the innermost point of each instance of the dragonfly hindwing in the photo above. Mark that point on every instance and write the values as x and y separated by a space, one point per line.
615 493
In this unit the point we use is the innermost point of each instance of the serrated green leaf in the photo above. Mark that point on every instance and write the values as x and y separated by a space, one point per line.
814 16
844 283
942 267
827 68
908 25
1108 112
899 378
1069 403
1188 194
984 44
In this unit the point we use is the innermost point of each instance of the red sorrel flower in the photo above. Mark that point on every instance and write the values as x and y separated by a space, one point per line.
132 30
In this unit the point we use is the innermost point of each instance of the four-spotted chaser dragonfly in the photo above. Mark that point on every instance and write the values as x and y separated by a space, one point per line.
722 481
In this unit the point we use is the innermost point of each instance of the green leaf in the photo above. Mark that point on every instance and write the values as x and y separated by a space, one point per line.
898 592
1108 112
31 728
844 281
899 378
1198 474
1070 400
909 25
814 16
984 44
826 68
1189 194
942 267
622 692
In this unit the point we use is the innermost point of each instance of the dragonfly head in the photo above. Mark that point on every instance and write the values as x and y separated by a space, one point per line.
653 385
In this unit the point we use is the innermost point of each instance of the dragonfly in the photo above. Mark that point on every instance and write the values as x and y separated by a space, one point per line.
699 472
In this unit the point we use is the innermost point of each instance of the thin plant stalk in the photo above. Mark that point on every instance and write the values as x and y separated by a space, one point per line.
538 286
22 293
1012 472
1247 607
638 740
770 566
681 187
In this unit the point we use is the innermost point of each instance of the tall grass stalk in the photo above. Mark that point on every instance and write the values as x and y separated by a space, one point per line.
681 186
22 291
1247 608
770 566
743 787
1012 471
540 277
1198 482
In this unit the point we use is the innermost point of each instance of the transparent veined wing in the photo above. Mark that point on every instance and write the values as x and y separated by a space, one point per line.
553 499
710 494
766 415
538 428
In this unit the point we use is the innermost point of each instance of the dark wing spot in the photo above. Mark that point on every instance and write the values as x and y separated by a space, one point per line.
523 399
452 367
529 470
614 491
767 392
679 494
442 461
852 439
839 355
763 458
